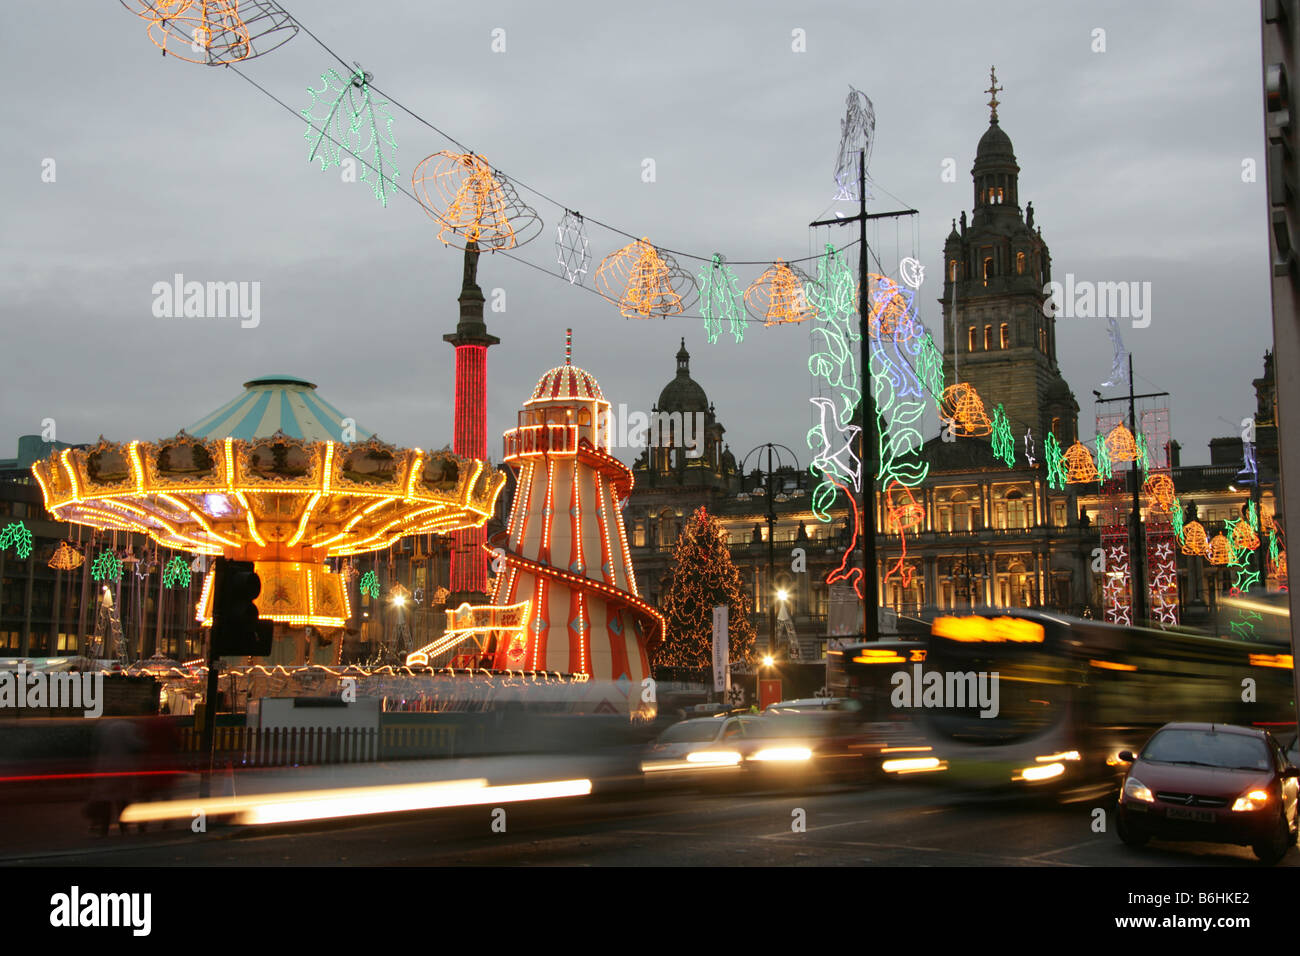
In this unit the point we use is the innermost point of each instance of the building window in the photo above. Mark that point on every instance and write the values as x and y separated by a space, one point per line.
988 268
988 337
1056 428
1006 336
1058 514
952 270
970 339
1017 512
638 535
1042 340
1020 263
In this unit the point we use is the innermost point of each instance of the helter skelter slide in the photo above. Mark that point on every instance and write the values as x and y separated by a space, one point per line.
565 598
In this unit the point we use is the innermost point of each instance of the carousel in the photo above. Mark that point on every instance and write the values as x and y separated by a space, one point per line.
279 477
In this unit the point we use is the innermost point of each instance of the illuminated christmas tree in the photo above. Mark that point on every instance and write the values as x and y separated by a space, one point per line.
704 577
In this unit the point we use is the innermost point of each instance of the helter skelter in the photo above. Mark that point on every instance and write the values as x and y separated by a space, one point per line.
565 597
279 477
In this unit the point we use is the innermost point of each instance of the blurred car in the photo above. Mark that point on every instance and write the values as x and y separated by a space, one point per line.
1293 750
812 705
792 746
1216 783
700 747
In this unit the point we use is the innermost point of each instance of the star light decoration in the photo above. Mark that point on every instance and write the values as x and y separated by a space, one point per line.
963 411
176 573
643 282
721 300
66 557
572 247
215 32
780 296
15 535
106 566
472 203
1004 443
346 117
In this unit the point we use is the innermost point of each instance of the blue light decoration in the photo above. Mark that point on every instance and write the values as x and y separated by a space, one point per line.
721 300
1004 443
370 582
356 122
15 535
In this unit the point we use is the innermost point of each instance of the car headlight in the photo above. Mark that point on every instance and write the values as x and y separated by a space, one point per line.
714 758
1254 800
1135 789
783 754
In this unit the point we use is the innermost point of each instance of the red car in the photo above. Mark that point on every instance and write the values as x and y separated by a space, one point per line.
1216 783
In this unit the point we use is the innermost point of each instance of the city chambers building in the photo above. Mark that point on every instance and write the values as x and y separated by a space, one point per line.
991 536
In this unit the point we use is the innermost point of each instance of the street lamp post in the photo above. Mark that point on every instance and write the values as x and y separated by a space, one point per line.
772 452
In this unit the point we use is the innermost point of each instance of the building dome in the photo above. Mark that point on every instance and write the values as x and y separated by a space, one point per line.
994 145
683 393
567 382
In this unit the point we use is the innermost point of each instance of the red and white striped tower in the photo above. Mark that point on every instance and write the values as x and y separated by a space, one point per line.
568 552
469 565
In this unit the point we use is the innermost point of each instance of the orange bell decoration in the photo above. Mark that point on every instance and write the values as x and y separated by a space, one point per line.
206 31
1194 539
1120 444
779 296
1279 566
963 410
471 202
1159 489
642 281
1078 464
1219 550
1244 537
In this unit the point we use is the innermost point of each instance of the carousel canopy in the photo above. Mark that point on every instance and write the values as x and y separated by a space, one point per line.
277 403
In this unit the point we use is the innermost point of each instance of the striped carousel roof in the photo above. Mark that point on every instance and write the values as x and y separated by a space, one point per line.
276 403
567 382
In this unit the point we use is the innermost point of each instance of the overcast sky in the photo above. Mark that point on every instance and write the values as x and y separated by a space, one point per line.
1132 158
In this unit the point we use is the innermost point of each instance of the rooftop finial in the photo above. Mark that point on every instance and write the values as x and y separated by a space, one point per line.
993 92
568 346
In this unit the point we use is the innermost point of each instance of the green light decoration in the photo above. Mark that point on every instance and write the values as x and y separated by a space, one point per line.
834 362
1252 516
1004 443
1273 548
1178 519
721 300
1103 460
1055 473
16 535
370 582
176 573
354 122
1142 459
1239 560
1244 626
929 369
106 566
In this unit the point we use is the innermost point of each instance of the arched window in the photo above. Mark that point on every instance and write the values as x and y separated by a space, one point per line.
988 337
667 527
1056 428
952 270
988 268
970 339
1006 336
1020 263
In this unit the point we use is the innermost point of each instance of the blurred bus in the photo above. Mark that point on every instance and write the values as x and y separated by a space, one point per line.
864 672
1072 693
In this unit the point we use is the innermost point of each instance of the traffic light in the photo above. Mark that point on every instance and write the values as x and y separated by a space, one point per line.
236 629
